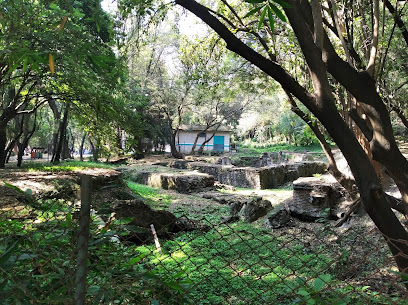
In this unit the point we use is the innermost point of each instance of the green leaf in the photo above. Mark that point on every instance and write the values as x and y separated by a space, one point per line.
25 256
303 292
68 218
321 281
94 289
29 192
255 1
261 20
318 284
251 12
6 254
278 12
340 302
283 3
300 280
136 259
13 187
271 20
25 65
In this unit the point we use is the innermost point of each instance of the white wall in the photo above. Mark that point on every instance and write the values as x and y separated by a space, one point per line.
185 141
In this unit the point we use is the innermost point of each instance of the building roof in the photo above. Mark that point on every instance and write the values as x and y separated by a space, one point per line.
202 128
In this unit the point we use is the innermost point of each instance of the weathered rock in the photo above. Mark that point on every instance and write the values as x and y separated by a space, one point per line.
265 160
255 208
181 164
250 208
185 224
183 182
278 217
224 161
315 198
245 161
143 215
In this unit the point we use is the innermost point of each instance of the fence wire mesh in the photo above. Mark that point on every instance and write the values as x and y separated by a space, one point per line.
187 260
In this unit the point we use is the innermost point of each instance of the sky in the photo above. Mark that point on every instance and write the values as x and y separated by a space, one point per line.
190 25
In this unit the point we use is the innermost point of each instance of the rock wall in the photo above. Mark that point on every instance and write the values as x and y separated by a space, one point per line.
315 198
259 178
182 182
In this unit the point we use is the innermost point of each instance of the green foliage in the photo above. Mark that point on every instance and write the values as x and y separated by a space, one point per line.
153 196
258 148
268 7
69 165
33 267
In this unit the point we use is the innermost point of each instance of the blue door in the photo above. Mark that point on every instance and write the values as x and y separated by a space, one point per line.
218 143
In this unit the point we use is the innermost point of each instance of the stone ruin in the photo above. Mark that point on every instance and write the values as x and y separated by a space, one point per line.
185 182
249 208
317 197
266 177
313 197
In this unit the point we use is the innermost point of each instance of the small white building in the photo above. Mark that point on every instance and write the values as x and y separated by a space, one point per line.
186 136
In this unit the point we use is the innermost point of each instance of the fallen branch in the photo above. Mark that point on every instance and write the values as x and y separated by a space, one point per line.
354 206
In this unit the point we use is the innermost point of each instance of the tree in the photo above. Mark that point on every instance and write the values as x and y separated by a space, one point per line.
324 64
54 51
323 60
216 97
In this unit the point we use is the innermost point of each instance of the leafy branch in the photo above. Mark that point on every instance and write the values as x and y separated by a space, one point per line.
268 8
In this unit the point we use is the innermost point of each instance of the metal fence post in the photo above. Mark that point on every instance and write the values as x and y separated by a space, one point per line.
83 238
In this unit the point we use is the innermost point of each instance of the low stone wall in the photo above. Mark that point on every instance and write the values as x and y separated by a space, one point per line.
260 178
185 182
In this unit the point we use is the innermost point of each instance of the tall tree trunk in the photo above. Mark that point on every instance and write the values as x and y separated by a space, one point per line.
3 142
27 136
95 150
61 135
81 148
173 149
56 127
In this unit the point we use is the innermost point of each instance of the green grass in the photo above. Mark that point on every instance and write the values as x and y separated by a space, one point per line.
63 166
245 264
152 195
249 150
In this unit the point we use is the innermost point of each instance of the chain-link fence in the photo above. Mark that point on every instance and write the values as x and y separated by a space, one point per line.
56 253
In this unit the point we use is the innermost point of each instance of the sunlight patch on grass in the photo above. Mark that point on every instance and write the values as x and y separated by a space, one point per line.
152 195
68 166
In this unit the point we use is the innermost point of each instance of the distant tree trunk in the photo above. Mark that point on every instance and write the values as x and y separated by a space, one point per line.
95 151
27 136
3 141
12 143
119 141
61 135
195 143
201 149
57 122
66 152
174 152
81 148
